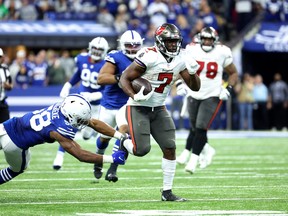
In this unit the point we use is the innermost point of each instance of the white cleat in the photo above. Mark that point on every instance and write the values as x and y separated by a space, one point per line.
192 164
58 161
183 157
206 156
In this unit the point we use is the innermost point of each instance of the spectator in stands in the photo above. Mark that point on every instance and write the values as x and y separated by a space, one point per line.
55 73
260 112
157 12
39 70
16 64
27 12
4 12
184 28
278 102
273 10
44 8
105 18
208 16
285 10
13 7
244 90
68 63
121 19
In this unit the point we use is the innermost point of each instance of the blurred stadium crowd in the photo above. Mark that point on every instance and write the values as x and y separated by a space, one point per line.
48 67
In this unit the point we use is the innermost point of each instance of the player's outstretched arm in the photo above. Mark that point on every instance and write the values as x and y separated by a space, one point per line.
73 148
192 81
107 74
104 128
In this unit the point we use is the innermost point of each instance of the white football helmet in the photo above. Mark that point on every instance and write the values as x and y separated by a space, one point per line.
130 43
98 48
208 33
77 110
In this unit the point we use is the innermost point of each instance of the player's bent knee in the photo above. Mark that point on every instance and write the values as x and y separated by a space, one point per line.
140 152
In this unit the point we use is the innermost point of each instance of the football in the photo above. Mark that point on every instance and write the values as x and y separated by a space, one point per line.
139 82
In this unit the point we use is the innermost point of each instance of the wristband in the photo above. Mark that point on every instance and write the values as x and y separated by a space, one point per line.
178 83
229 88
118 135
117 77
107 159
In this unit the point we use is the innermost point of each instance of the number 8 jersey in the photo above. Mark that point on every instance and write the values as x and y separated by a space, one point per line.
34 127
211 68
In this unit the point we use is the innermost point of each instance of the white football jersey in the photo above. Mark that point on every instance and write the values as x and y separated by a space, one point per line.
211 68
161 74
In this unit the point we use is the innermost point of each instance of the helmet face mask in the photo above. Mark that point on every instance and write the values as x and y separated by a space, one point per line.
77 111
208 38
130 43
98 48
168 39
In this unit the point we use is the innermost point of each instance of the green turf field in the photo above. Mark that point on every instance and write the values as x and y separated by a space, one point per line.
248 176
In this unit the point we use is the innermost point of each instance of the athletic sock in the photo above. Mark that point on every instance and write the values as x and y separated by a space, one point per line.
7 174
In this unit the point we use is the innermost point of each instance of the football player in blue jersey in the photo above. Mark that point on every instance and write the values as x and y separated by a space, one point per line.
113 96
58 122
87 70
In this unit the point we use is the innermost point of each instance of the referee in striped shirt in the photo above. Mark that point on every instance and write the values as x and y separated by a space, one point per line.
5 84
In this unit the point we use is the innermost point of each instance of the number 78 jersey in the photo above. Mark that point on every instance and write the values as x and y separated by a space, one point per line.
211 68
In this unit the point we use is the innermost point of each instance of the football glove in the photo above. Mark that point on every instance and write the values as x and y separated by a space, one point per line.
119 157
65 90
92 96
225 93
141 97
191 65
180 88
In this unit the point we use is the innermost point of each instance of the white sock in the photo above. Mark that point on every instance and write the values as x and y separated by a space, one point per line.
168 168
60 153
129 146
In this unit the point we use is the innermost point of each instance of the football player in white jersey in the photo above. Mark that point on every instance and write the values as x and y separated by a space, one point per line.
214 58
161 65
58 122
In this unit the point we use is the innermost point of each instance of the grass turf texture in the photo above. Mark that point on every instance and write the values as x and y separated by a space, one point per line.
246 175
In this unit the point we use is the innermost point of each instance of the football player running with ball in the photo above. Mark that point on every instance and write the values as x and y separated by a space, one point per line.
161 65
214 58
58 122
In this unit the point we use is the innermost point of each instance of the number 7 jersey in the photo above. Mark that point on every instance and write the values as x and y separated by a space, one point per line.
211 68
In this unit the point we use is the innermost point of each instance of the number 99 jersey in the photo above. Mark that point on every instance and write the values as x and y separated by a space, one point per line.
211 68
34 127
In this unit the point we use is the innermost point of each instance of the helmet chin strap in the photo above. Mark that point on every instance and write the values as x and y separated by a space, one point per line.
207 48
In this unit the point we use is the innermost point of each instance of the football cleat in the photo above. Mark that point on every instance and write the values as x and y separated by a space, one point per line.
169 196
183 157
58 162
206 156
192 164
111 174
98 171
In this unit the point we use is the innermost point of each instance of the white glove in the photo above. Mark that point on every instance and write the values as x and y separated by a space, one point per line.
65 90
224 94
191 65
141 97
180 88
92 96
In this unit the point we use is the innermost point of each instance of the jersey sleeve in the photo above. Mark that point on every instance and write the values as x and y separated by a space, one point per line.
228 58
146 57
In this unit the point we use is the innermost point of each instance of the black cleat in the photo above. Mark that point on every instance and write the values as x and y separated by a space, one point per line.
98 171
111 174
169 196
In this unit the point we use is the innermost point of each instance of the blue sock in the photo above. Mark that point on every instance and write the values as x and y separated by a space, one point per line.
61 149
116 146
7 174
101 146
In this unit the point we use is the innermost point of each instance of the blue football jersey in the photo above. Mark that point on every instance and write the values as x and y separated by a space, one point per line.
113 95
34 127
87 72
